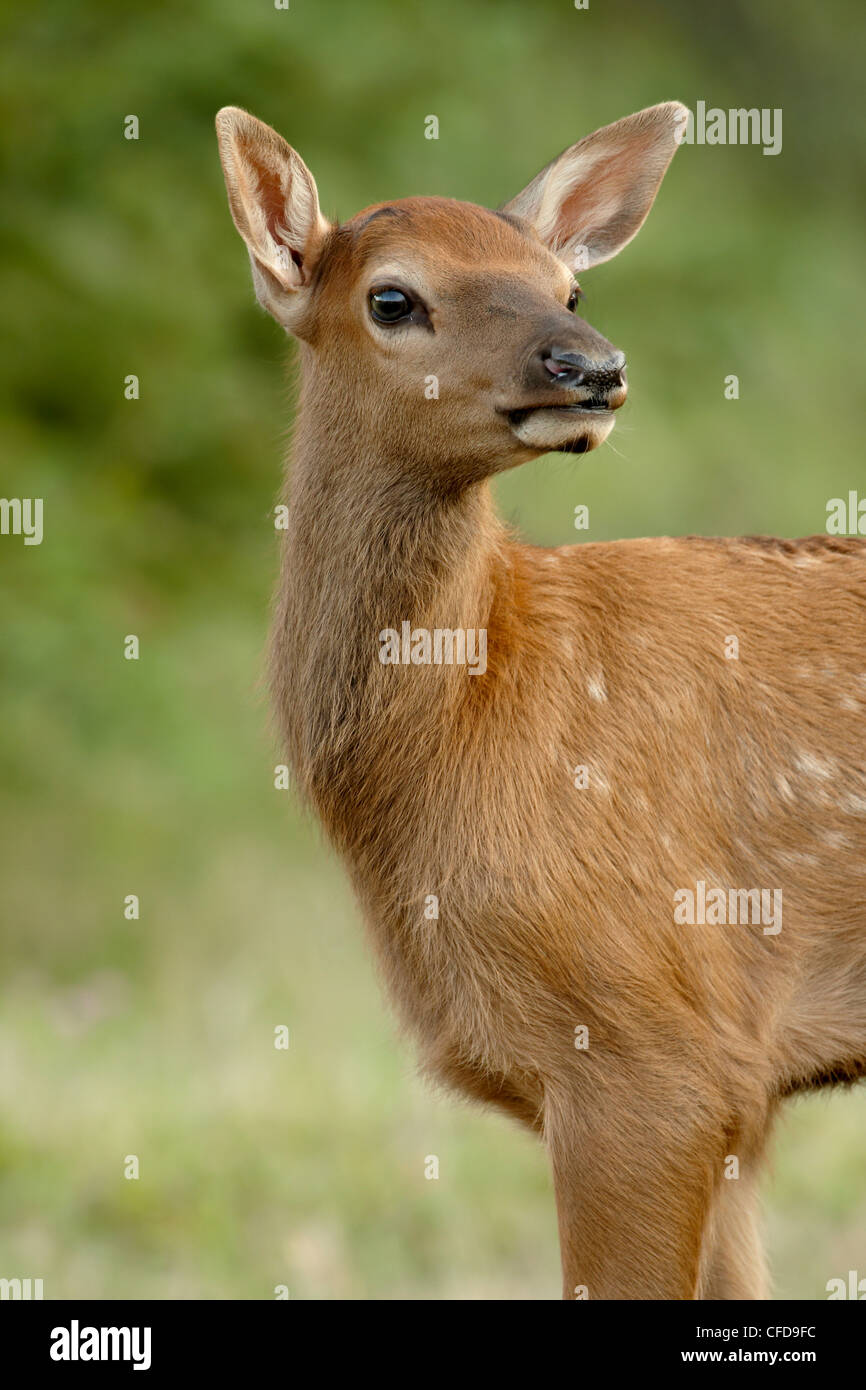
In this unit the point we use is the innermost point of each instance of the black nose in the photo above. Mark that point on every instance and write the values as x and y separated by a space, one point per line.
573 369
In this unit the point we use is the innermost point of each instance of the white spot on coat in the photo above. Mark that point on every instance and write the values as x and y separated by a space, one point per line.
596 687
813 766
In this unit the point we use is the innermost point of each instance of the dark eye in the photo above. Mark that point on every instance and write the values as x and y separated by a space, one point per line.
574 297
390 305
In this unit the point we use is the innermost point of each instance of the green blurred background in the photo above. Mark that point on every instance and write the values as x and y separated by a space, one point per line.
155 1037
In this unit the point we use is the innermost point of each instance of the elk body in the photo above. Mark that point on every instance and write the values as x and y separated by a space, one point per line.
522 839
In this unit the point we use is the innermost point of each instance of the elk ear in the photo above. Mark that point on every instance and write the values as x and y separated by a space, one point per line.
587 204
275 206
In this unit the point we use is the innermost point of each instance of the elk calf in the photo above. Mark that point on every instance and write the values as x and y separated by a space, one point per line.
524 840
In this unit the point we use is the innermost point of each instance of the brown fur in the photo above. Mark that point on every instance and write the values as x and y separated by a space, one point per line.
556 903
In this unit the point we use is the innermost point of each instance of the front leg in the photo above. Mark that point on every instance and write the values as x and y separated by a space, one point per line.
634 1185
733 1259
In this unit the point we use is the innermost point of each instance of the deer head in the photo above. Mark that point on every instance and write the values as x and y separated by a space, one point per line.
445 335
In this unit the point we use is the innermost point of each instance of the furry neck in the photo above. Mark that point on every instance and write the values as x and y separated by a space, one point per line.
370 544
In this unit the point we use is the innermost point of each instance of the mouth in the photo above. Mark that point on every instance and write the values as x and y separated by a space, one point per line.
567 429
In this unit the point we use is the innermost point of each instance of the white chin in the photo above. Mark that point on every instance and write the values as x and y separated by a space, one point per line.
559 428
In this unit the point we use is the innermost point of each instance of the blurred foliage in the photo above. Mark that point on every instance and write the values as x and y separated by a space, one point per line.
156 1037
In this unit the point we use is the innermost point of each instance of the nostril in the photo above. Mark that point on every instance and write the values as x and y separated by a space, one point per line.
563 362
558 368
